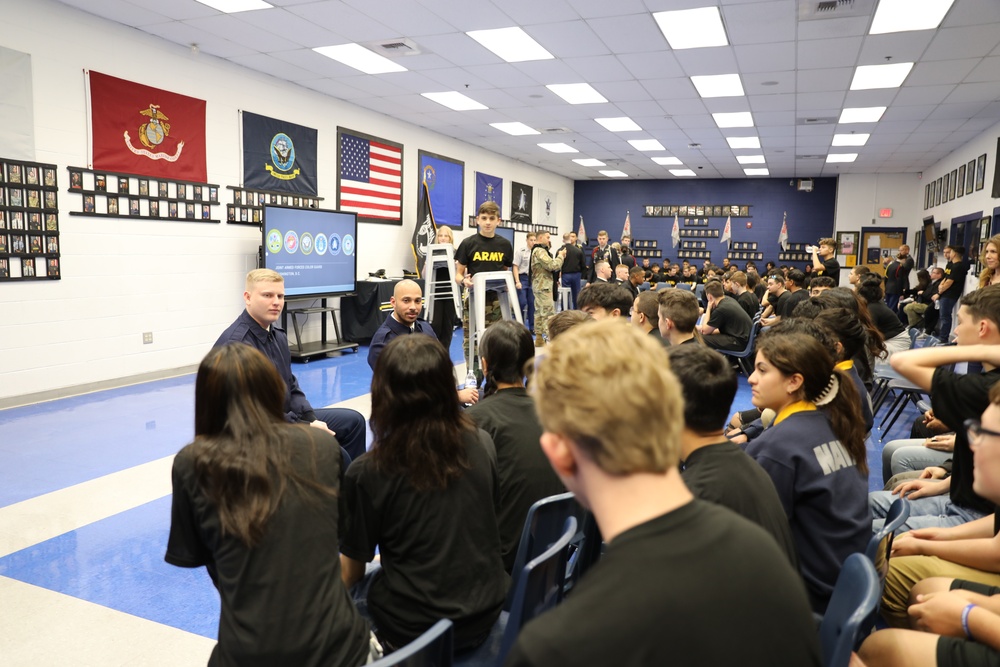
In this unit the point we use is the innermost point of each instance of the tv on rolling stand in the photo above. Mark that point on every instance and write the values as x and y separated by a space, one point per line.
315 251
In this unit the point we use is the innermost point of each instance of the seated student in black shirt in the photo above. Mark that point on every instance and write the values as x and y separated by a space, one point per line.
748 300
693 566
426 495
795 284
678 313
256 502
508 415
727 326
871 290
714 468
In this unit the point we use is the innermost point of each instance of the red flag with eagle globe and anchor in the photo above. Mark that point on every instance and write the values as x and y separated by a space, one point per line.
146 131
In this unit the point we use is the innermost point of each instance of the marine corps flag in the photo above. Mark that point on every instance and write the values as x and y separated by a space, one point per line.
278 155
424 231
146 131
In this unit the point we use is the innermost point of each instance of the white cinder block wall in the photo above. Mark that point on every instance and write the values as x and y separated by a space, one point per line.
182 281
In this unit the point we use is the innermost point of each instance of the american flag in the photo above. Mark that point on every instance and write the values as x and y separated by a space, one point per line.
370 178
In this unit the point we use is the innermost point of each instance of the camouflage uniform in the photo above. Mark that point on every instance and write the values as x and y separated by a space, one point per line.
542 267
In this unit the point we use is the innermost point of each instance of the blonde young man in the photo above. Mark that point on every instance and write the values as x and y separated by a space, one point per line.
256 326
693 566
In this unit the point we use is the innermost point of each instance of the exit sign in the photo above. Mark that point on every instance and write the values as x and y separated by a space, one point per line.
885 213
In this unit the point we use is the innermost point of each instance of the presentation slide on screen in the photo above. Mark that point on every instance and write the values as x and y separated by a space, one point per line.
314 250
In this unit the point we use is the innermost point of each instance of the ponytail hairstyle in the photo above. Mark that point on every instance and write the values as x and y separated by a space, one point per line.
507 348
797 347
241 458
842 297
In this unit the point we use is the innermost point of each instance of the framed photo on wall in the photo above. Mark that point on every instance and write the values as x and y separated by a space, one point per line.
980 172
937 191
961 181
951 186
970 176
370 178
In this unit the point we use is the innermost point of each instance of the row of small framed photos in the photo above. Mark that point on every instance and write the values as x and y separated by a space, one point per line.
249 214
642 243
29 244
694 245
699 233
87 180
29 268
696 222
744 245
797 247
28 220
259 198
794 256
694 254
652 254
18 197
757 256
30 174
957 183
518 226
136 207
700 210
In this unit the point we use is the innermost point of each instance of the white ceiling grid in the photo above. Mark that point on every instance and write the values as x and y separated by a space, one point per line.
792 69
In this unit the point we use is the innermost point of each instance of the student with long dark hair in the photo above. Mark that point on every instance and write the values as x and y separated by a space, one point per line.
256 502
870 289
816 457
508 414
425 495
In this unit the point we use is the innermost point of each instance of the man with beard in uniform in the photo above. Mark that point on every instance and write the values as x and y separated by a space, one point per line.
542 283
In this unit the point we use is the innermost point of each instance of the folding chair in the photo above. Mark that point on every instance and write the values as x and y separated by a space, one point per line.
855 598
434 648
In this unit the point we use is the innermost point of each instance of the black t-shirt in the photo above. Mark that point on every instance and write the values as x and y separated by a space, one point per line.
713 587
283 601
573 262
792 299
440 550
723 474
777 303
729 318
749 303
478 253
957 271
525 474
955 398
831 268
885 320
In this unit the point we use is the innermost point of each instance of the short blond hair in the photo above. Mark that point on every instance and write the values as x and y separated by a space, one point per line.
262 276
585 366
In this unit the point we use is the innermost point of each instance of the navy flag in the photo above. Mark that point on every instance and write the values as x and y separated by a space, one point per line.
424 231
278 155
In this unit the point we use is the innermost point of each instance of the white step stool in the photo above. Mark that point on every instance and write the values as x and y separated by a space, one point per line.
440 254
501 282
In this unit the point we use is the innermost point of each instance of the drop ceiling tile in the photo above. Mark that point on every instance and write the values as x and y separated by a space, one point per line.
652 65
967 42
824 80
901 47
912 112
759 103
595 69
759 23
568 39
920 95
765 57
827 53
355 26
209 43
987 69
974 92
631 33
404 17
701 62
275 67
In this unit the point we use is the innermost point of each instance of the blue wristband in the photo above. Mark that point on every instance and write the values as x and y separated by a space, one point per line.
965 620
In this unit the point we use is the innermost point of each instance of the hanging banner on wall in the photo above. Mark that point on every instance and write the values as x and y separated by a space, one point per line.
521 202
146 131
547 208
17 125
488 188
278 155
445 180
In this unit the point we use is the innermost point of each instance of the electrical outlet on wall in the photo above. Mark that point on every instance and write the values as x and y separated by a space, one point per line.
147 338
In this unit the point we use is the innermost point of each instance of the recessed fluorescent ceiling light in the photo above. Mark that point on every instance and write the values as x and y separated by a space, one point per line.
720 85
646 145
692 28
455 101
614 173
870 77
743 142
589 162
682 172
360 58
861 115
750 159
737 119
904 15
233 6
512 44
850 139
516 129
841 157
756 172
620 124
577 93
665 161
559 148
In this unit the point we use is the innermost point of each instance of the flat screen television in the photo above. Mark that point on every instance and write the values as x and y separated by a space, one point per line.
930 231
315 250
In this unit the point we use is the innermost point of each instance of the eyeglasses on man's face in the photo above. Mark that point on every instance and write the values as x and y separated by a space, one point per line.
975 431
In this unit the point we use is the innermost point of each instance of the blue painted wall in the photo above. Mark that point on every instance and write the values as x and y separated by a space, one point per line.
810 214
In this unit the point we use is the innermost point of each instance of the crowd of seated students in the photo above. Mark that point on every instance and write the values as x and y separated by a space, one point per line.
442 494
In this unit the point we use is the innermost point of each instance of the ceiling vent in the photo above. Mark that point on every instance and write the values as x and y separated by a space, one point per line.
395 48
816 10
816 120
556 130
810 157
